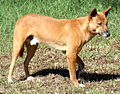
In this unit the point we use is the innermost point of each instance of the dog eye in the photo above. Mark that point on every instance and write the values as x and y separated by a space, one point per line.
99 24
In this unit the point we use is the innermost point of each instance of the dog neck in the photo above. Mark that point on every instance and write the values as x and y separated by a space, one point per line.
83 24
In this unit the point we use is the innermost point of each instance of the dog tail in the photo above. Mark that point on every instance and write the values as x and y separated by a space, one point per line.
21 51
28 39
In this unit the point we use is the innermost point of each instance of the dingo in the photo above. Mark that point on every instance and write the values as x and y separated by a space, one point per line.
64 34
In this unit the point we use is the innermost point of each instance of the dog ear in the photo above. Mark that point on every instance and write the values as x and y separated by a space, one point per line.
106 11
93 13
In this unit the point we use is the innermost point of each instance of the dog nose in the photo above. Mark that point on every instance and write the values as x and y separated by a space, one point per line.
108 34
105 34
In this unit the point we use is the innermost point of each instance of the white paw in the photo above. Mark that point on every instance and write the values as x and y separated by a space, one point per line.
30 78
10 81
81 85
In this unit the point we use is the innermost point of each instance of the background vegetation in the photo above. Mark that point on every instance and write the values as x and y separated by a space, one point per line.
101 56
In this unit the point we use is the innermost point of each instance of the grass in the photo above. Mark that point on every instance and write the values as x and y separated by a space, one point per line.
101 56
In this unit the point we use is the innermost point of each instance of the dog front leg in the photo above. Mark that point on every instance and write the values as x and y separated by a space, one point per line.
81 66
80 63
71 59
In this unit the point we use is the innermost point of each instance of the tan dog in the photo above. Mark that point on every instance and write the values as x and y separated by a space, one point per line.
66 35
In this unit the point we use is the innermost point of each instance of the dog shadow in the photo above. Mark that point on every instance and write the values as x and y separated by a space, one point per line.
91 77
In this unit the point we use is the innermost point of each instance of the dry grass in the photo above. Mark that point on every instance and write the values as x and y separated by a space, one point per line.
49 69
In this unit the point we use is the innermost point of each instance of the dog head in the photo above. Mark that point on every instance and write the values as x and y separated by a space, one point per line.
98 22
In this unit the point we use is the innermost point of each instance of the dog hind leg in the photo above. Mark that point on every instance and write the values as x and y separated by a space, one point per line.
30 53
17 46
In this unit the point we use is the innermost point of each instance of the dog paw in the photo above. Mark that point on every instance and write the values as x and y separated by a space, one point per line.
10 81
30 78
81 85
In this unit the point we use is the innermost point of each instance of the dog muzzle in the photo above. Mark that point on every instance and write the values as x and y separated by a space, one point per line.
104 34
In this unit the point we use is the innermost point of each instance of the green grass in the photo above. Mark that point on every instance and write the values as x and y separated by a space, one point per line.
100 55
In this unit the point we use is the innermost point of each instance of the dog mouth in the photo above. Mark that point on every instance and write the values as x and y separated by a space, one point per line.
104 34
